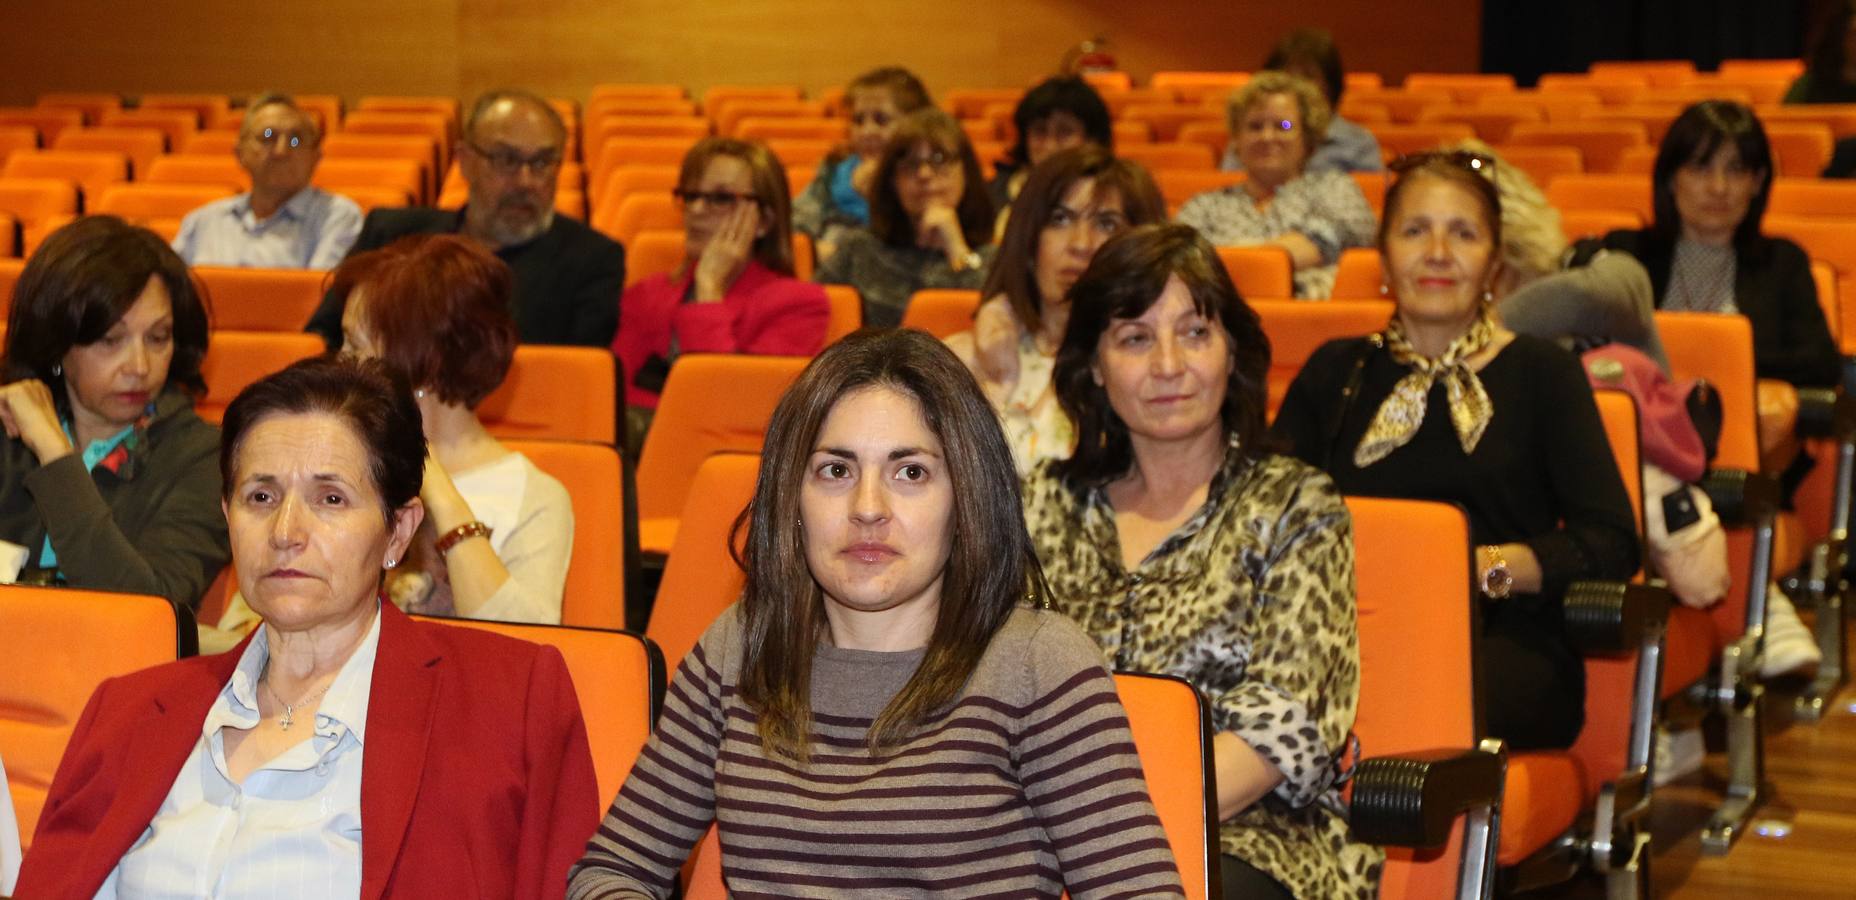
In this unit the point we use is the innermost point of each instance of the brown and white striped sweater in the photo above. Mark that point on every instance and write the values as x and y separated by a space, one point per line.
1027 786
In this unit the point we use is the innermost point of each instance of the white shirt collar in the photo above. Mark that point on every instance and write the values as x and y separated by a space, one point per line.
345 703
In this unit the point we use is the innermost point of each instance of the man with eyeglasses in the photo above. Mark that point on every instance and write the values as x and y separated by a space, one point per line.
284 222
568 276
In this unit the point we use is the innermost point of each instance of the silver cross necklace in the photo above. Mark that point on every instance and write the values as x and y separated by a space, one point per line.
290 708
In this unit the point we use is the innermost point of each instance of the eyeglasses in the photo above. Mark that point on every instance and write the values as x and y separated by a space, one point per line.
508 162
879 119
940 161
269 138
1462 159
722 200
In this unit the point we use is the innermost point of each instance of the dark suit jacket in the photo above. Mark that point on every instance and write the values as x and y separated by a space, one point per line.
1773 289
567 287
476 779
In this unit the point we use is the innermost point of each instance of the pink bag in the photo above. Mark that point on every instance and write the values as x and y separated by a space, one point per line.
1670 440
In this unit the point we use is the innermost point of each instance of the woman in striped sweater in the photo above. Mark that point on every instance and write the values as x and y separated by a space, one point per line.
882 713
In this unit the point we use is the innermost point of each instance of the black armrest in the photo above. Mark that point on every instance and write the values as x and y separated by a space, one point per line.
1740 497
1823 412
1414 799
1611 618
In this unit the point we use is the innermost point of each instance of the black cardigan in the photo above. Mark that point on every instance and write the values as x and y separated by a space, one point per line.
1773 288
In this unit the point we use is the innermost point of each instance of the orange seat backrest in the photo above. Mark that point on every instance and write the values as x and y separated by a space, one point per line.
48 120
261 299
1719 348
1411 562
1491 125
235 359
638 213
804 152
623 181
417 149
404 175
1827 240
89 170
66 642
1194 87
618 679
941 311
136 202
701 578
1171 155
201 105
557 394
712 403
1464 88
1259 271
1542 164
969 103
1600 143
1358 275
729 115
34 199
688 129
1296 329
92 104
847 312
594 596
1181 185
1812 196
140 145
1583 223
1627 193
1799 149
217 170
1420 137
177 124
659 252
17 137
638 89
1173 735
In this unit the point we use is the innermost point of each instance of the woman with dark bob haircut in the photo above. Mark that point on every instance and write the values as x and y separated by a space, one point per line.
1149 539
1074 201
890 634
1060 113
108 481
341 738
930 221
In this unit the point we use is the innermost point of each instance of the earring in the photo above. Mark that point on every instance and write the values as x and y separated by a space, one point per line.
57 369
392 562
418 393
1488 295
1385 290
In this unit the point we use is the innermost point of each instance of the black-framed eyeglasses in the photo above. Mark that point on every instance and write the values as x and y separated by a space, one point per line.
939 161
508 162
1463 159
722 200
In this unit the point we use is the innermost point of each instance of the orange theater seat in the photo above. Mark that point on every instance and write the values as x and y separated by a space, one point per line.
219 171
1654 72
1213 135
804 152
1463 88
636 151
430 125
68 641
1403 105
1373 185
1198 87
1813 197
89 171
847 312
701 577
34 200
1126 133
1397 140
1552 788
1357 276
177 124
1296 329
661 252
688 129
970 103
1491 125
1557 106
1624 193
1601 144
17 137
261 299
209 143
1542 164
417 149
140 145
1167 120
1119 101
594 596
144 202
1831 240
624 181
618 679
637 214
1613 90
92 105
1174 155
636 89
1259 271
47 121
1799 149
446 108
719 94
1173 736
941 311
710 404
730 114
203 106
1181 185
235 359
405 176
556 393
1583 223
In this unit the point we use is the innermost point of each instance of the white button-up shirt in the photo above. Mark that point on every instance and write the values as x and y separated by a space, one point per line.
312 230
290 831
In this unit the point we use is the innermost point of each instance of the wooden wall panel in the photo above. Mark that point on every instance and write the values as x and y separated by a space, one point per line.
563 47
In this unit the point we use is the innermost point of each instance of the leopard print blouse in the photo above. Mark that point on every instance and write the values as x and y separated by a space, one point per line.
1251 600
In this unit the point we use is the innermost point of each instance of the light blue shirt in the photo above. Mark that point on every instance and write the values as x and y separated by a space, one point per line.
312 230
290 831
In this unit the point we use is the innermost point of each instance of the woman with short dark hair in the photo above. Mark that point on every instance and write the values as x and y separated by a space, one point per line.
888 709
1060 113
108 481
930 221
342 749
1183 545
499 531
1830 68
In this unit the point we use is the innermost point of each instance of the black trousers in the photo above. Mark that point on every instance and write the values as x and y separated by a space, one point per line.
1532 685
1240 880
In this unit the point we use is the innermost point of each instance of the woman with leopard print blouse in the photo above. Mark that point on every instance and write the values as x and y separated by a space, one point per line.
1182 546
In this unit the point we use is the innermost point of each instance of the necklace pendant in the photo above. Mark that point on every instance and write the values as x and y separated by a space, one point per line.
284 723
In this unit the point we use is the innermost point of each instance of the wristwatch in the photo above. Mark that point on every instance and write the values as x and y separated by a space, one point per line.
1496 580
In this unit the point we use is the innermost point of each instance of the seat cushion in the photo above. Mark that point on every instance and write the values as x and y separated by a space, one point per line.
1541 799
1690 648
655 536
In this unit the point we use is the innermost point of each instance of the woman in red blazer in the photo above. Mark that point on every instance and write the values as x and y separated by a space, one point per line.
343 749
735 291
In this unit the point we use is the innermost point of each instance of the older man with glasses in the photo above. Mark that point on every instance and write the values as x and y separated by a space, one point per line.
568 276
284 222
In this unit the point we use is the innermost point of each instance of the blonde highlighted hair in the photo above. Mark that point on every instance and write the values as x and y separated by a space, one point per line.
1532 242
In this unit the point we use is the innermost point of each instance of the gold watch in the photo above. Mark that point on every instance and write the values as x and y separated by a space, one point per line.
1496 581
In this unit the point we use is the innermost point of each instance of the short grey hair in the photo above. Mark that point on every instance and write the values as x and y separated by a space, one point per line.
275 98
481 107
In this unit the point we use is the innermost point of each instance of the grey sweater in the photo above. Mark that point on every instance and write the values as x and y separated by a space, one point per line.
1028 785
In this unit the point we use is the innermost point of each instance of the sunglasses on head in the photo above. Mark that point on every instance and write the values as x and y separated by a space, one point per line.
1462 159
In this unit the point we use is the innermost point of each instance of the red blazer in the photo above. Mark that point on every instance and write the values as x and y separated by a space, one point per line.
764 313
476 778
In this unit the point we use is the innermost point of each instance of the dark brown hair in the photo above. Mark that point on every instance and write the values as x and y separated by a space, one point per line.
905 90
80 283
775 248
369 396
438 305
1312 47
888 221
1014 271
990 570
1123 281
1695 136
